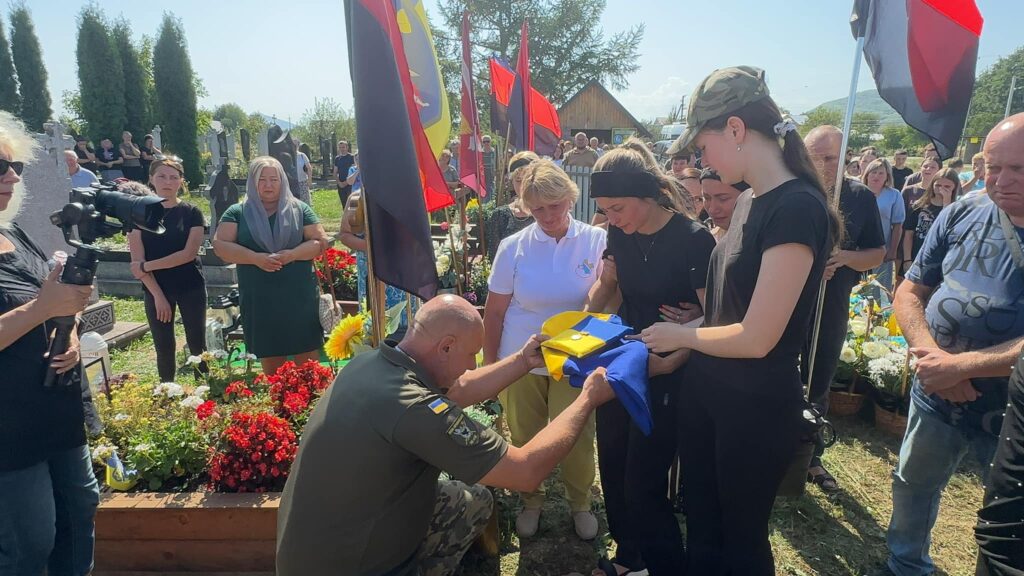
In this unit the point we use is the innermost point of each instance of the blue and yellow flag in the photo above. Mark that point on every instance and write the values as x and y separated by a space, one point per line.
430 94
581 342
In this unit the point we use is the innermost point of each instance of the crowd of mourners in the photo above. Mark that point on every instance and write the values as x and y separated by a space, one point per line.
713 254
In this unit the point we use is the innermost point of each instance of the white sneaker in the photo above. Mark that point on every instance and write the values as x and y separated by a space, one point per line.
585 524
527 522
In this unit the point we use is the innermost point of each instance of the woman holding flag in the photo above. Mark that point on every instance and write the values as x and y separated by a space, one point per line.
657 255
741 403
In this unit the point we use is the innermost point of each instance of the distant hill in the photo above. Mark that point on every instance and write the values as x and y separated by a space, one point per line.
867 101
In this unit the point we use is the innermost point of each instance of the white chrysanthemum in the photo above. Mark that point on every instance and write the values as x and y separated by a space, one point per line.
858 327
874 350
192 402
193 361
880 332
848 355
201 391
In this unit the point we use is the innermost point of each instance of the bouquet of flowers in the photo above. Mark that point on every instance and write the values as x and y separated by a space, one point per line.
336 271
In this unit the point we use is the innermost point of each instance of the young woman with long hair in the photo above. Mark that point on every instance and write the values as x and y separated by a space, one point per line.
740 410
943 190
657 257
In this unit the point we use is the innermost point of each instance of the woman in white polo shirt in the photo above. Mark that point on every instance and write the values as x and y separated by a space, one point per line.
546 268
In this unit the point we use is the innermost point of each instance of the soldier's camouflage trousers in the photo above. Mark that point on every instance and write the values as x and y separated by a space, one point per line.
460 516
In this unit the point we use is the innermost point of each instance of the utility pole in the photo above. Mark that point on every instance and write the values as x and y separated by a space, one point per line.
1009 98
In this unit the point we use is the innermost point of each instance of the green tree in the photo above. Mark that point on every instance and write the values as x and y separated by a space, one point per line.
100 78
821 116
230 115
176 93
28 60
9 99
901 136
71 101
326 117
567 45
991 89
136 101
864 125
146 62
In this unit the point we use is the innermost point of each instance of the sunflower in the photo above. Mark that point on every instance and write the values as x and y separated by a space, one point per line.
348 332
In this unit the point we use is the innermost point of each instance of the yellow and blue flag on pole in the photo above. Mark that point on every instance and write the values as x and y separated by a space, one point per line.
428 84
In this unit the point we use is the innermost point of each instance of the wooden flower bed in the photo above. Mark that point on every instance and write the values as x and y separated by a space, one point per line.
213 533
190 532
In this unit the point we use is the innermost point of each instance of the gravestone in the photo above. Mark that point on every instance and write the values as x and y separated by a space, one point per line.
263 143
157 141
47 187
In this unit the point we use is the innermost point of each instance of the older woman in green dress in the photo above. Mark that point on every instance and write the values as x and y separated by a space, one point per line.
273 238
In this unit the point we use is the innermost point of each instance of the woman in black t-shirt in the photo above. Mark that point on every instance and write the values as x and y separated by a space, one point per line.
86 155
942 191
147 153
48 494
740 409
657 255
169 268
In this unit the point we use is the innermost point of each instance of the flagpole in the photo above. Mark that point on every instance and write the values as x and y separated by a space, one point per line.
375 287
851 102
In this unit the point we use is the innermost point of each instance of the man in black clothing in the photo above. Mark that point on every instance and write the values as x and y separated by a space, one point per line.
900 171
863 248
342 162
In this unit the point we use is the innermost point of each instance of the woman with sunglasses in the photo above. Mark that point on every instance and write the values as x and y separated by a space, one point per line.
48 494
740 411
657 255
169 268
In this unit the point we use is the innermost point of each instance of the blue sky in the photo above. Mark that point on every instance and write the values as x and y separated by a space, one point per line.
804 45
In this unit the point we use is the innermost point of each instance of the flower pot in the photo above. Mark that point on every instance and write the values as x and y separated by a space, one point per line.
842 403
892 422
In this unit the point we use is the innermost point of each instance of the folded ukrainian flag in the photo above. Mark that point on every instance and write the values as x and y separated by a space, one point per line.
581 342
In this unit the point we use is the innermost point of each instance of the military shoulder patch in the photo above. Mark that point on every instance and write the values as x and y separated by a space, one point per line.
463 430
438 406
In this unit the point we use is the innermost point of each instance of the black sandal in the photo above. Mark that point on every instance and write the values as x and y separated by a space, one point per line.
825 481
611 568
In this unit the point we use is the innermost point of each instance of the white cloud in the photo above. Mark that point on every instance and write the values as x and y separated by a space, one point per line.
646 105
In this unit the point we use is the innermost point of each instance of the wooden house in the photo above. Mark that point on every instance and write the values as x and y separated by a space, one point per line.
595 111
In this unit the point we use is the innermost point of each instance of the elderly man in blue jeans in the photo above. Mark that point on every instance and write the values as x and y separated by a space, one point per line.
961 309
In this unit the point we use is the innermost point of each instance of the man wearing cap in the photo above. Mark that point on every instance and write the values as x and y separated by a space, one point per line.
364 495
582 155
863 249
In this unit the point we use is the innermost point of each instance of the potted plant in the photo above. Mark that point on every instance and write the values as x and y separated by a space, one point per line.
888 368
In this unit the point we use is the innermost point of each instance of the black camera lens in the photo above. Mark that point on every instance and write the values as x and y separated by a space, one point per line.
144 212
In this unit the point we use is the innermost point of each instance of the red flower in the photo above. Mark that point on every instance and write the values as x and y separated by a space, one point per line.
206 409
254 454
295 389
445 226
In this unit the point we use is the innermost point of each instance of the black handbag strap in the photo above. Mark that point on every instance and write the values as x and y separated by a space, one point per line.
1012 238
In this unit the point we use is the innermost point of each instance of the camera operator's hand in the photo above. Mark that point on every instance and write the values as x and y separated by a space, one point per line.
268 262
163 308
57 299
68 360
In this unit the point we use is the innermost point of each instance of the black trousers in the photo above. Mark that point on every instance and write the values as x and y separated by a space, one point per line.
1001 520
735 448
634 478
343 194
191 303
830 339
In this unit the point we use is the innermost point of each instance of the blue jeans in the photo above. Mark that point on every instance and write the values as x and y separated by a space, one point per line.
931 451
47 516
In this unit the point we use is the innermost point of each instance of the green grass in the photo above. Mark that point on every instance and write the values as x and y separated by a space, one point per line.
812 535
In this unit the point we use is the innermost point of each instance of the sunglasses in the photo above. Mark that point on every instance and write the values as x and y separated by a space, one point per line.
6 165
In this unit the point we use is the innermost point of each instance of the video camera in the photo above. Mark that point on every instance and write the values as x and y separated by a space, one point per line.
83 220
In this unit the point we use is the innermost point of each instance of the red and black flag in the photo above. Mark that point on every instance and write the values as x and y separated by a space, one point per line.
398 171
923 54
519 100
471 161
546 126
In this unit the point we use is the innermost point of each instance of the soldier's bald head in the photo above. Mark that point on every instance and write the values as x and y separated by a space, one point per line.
444 338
